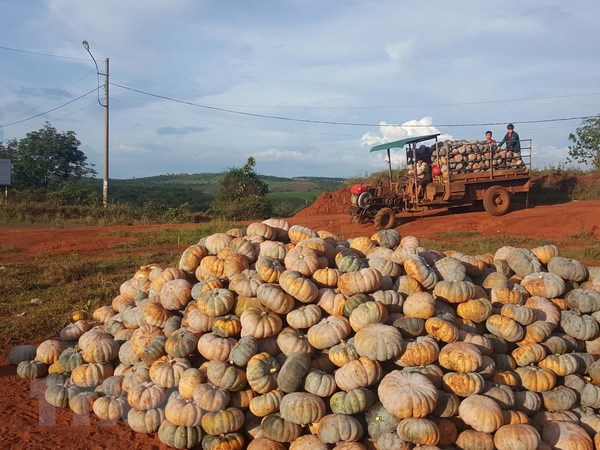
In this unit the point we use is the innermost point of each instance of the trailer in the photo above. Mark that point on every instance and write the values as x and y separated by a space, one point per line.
460 174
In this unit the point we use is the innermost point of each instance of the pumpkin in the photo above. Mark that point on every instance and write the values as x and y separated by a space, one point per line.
481 413
299 287
216 302
351 402
319 383
361 281
59 394
81 403
366 313
167 371
410 327
210 397
229 441
261 372
91 374
420 352
544 284
189 381
49 351
583 327
71 358
362 372
545 252
451 269
292 371
278 429
536 379
561 398
417 268
191 257
583 301
111 408
406 394
214 347
505 328
567 269
227 326
419 431
528 354
304 317
245 283
460 357
226 376
183 411
260 323
464 384
477 309
419 305
329 332
385 266
302 408
146 395
291 341
179 436
380 421
334 428
475 440
263 405
145 421
440 329
559 434
561 365
302 259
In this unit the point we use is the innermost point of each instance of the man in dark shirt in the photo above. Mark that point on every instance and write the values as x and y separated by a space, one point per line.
511 139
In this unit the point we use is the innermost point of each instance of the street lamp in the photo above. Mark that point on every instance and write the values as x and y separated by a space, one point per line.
105 106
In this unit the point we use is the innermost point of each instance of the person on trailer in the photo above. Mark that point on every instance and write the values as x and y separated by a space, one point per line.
423 176
488 138
511 139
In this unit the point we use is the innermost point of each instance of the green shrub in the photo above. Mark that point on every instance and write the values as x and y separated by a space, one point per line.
245 208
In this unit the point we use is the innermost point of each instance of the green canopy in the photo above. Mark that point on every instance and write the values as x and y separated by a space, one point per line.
402 142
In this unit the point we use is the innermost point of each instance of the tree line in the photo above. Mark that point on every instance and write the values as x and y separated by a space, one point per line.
52 161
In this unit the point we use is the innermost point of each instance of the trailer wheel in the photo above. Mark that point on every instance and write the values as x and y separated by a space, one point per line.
496 200
384 219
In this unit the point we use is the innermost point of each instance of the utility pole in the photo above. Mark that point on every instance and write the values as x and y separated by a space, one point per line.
106 122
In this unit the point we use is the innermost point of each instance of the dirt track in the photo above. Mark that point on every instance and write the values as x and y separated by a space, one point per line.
23 426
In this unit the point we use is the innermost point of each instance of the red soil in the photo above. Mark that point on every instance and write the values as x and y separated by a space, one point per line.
29 422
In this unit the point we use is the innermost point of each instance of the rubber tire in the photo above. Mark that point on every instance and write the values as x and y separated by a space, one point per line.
496 200
364 200
384 219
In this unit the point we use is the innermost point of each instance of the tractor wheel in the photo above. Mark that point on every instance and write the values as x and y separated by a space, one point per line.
364 200
384 219
496 200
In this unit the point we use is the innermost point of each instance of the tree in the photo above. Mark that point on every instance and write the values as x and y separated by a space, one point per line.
45 159
587 143
241 195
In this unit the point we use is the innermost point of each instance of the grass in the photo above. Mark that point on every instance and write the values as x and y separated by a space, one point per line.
77 282
471 243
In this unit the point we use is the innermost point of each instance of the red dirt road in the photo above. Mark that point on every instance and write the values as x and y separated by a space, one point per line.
31 423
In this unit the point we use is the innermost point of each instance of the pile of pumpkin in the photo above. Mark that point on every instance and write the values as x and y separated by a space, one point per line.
473 156
280 337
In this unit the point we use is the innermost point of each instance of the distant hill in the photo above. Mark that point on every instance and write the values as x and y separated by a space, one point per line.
197 190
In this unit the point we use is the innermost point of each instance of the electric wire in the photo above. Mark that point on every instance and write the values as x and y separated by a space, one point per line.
51 98
42 54
329 122
49 111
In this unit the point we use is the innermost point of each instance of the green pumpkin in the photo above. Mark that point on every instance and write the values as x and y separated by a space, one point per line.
179 436
352 402
71 358
293 371
32 369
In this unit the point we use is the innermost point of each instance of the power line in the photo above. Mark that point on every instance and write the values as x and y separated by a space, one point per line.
51 98
49 111
433 105
328 122
41 54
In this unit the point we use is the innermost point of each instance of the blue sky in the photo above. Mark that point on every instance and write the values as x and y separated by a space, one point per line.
438 65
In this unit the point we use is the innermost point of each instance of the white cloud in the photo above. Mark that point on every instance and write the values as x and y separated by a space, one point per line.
401 51
410 128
